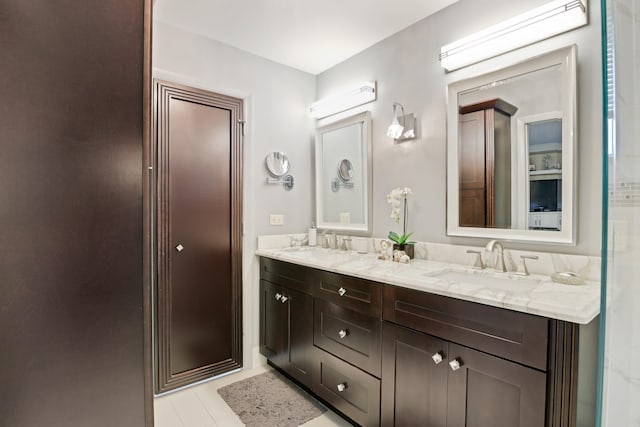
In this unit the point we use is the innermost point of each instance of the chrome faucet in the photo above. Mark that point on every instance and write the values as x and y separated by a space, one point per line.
496 245
327 241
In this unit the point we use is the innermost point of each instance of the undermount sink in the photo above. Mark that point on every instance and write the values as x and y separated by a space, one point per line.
496 281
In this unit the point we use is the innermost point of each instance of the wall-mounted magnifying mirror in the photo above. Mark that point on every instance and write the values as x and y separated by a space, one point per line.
510 151
343 175
278 166
345 170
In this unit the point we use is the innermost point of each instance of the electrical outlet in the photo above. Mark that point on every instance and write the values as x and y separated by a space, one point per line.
276 219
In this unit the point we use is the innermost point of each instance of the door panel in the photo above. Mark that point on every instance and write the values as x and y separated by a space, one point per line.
198 235
72 327
413 385
491 392
300 323
274 341
473 188
199 155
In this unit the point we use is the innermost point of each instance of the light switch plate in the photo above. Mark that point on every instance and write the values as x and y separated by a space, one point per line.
276 219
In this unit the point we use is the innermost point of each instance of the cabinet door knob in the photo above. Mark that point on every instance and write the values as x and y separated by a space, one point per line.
179 248
455 364
342 291
343 333
283 299
342 387
278 296
437 358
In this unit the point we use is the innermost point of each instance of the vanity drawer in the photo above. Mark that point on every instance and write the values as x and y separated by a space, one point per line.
350 335
350 390
350 292
516 336
284 273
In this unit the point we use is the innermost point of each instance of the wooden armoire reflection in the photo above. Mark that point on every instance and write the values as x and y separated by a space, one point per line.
485 164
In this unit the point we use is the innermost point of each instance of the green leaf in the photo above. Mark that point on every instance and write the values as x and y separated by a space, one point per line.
404 238
393 236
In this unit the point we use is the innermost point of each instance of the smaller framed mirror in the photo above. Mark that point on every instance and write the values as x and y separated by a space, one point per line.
343 194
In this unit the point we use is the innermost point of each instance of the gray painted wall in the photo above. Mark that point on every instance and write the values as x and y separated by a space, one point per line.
407 70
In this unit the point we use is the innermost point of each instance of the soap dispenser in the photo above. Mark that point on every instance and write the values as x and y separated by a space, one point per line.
313 235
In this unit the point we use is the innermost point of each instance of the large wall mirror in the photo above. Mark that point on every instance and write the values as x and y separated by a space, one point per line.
343 175
511 137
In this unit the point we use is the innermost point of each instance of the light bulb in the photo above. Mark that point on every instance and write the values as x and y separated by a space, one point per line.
395 130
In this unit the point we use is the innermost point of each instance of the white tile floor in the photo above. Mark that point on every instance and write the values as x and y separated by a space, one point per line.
202 406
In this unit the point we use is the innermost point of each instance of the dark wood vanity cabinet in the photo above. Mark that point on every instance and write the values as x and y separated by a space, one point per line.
347 338
419 385
286 323
491 367
393 356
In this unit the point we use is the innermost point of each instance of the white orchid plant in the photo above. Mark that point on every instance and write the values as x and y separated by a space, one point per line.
398 198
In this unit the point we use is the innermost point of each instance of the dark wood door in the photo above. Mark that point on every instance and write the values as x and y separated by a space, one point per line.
74 79
199 234
487 391
414 386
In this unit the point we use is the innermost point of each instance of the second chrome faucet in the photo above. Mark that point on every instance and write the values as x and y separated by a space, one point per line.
497 247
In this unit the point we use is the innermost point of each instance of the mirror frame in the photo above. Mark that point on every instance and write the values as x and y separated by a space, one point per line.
566 58
365 228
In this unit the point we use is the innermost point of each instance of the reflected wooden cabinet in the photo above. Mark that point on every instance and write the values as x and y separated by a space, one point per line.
485 164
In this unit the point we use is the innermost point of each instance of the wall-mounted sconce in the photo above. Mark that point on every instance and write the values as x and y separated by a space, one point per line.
278 167
538 24
364 93
402 127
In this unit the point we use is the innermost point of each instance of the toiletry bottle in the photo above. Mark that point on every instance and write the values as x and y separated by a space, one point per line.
312 235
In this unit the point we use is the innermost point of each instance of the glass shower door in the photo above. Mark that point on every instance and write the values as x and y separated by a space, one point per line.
620 344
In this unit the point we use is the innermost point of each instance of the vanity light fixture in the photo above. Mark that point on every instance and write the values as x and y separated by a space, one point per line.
538 24
364 93
405 130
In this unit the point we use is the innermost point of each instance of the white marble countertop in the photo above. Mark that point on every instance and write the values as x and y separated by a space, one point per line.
534 294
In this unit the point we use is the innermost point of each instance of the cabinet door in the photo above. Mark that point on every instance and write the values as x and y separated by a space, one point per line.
414 385
473 207
486 391
274 339
300 330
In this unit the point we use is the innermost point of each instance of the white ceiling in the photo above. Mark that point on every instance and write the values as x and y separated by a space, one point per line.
311 36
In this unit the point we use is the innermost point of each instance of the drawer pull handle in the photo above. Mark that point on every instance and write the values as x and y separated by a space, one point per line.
343 333
283 299
342 387
455 364
437 358
342 291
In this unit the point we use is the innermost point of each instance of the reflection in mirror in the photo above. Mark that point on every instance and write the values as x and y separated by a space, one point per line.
277 164
343 194
510 147
345 170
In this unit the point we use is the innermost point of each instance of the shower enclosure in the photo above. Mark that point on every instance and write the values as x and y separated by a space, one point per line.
619 391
